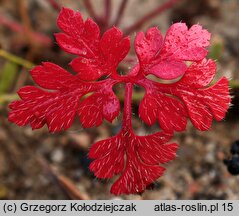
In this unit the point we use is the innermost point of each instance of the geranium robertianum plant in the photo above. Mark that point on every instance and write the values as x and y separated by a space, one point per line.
135 158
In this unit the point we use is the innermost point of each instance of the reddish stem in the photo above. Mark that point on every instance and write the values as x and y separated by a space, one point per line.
54 4
120 13
10 24
91 10
150 15
107 12
14 26
127 121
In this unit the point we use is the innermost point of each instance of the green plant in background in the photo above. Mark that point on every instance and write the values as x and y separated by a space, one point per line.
7 76
216 49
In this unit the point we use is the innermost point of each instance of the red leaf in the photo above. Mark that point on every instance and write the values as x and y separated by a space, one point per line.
98 57
135 158
79 37
57 109
148 45
166 59
189 97
186 44
205 104
51 76
143 155
43 107
110 157
169 111
114 47
199 74
98 106
168 69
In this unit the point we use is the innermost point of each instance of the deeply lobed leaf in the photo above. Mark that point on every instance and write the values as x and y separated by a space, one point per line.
190 97
135 158
59 107
143 156
97 56
166 58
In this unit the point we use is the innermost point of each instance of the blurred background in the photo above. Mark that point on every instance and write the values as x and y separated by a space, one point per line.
40 165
